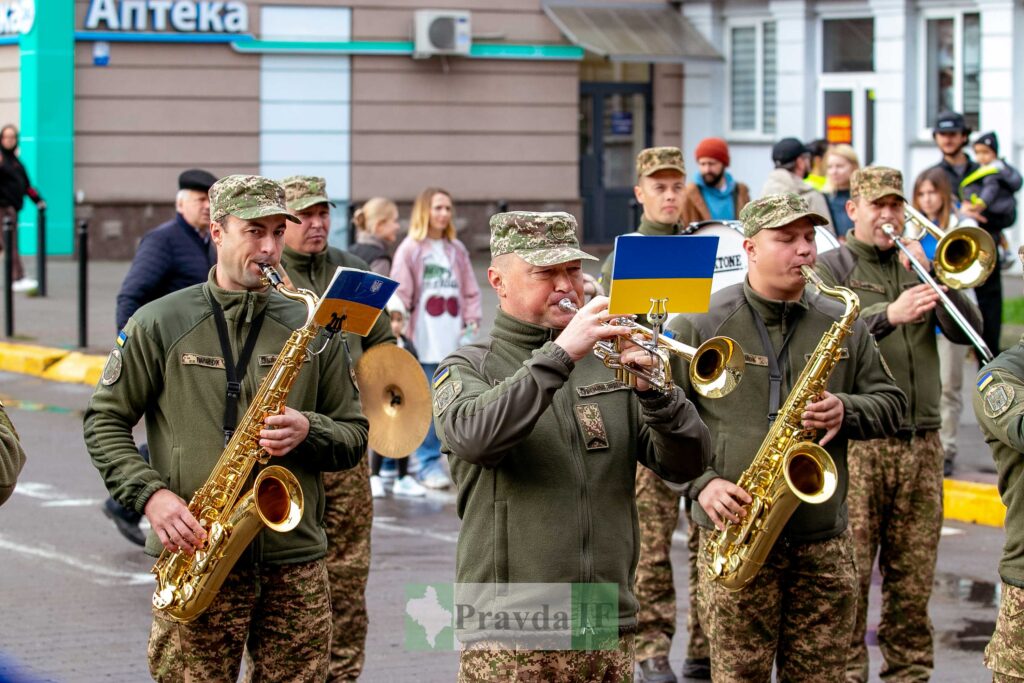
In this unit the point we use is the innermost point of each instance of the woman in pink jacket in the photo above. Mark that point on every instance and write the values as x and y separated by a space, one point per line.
439 289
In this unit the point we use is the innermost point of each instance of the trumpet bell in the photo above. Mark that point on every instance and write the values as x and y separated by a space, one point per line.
965 257
716 367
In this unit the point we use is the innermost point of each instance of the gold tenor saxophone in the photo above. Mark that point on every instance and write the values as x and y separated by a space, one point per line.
789 468
186 584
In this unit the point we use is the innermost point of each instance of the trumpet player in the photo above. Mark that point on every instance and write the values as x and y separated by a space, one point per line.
544 445
896 481
801 602
191 362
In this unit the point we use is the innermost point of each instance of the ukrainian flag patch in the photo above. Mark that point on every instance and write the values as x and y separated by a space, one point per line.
122 337
440 377
984 381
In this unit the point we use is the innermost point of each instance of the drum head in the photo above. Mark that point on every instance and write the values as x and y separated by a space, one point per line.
824 240
731 260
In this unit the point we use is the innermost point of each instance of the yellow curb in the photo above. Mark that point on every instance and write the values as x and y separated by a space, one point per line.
27 358
79 368
973 502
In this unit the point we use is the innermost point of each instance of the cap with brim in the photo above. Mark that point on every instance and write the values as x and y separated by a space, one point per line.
196 179
539 238
653 159
777 211
874 182
248 197
304 191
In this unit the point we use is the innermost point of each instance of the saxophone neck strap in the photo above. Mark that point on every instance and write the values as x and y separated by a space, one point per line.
235 374
775 360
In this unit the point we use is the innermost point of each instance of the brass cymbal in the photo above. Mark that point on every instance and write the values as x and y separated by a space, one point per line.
395 398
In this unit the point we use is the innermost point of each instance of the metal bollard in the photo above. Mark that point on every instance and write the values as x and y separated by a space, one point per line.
634 209
41 251
8 230
82 235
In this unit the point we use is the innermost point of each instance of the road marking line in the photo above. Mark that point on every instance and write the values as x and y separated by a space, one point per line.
102 575
72 503
448 538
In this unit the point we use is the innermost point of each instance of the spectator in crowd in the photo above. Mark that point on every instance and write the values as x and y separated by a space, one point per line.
840 163
171 256
14 187
817 177
714 195
792 164
438 288
377 229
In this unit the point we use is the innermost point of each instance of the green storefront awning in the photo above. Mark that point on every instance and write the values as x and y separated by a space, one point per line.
631 33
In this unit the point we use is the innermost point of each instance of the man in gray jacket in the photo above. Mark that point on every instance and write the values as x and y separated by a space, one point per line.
792 164
544 443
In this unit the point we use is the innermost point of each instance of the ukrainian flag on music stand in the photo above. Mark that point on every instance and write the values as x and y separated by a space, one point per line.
353 301
674 267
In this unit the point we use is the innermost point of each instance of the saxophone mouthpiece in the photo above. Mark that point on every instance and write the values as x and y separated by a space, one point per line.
271 275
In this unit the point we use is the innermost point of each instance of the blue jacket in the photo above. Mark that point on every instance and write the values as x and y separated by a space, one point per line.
170 257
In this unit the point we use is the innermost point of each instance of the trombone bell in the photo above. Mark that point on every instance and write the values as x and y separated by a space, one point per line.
964 257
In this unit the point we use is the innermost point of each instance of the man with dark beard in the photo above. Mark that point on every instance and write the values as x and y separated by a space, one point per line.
715 195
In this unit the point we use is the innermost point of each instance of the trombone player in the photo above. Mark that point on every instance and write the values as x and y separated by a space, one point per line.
896 481
801 603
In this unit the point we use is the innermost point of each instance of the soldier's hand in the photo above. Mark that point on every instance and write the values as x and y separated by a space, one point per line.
917 251
636 357
912 305
173 523
825 413
284 432
723 500
587 328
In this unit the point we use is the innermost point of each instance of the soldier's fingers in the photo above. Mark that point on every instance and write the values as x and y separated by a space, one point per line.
738 493
723 508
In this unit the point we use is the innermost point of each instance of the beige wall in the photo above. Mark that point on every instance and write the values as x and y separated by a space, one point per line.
10 85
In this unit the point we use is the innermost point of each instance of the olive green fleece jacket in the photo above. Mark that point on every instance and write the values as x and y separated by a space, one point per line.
544 454
1000 411
172 373
878 278
314 272
872 403
12 456
646 227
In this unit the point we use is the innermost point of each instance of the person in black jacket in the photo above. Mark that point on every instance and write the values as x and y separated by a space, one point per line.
172 256
14 186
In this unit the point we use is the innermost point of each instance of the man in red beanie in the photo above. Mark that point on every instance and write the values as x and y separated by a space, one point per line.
714 195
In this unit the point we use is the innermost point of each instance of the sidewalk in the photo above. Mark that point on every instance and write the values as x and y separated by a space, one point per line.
46 339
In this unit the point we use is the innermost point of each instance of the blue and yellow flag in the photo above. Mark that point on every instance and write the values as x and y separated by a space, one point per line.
674 267
353 301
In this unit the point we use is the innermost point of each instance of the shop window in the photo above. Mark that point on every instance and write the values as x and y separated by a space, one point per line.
848 45
953 67
752 78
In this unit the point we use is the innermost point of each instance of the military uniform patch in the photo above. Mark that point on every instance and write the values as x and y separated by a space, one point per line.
867 286
205 361
998 399
444 396
601 388
752 359
595 435
112 368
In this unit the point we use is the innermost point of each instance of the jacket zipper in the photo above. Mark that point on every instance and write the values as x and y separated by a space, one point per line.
912 389
584 498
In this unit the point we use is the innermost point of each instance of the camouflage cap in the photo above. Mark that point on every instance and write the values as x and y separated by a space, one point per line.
654 159
777 211
247 197
540 239
875 182
303 191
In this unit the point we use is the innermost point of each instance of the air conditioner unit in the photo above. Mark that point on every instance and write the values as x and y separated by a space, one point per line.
441 32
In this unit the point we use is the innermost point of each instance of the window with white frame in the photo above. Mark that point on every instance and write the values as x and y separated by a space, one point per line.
952 63
752 78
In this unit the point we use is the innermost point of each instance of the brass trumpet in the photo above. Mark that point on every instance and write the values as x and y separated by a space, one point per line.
716 366
964 257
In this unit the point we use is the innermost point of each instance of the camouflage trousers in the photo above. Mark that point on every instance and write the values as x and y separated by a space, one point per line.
895 503
794 613
279 615
1005 652
486 662
658 510
348 519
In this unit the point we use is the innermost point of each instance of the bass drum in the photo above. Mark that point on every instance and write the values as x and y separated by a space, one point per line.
731 260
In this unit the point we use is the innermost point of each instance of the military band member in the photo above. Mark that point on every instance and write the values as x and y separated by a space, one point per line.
896 482
171 365
801 603
545 445
661 190
12 456
348 515
1000 411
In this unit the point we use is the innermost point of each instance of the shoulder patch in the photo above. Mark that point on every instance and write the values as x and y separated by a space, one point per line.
445 396
998 399
601 388
440 376
984 381
753 359
112 368
204 361
122 338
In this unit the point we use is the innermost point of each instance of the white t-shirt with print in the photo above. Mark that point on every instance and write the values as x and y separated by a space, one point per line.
438 314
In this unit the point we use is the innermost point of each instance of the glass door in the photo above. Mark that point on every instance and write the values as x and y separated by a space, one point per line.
847 113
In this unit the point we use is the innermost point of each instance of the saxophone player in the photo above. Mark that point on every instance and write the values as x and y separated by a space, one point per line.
802 601
896 481
190 363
